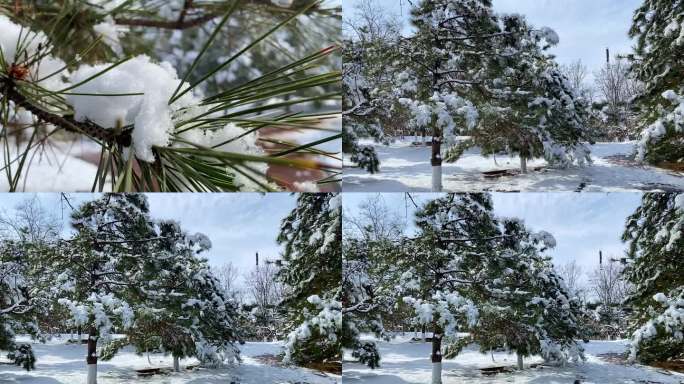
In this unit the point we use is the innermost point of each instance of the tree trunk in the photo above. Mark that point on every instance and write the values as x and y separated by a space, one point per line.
520 361
436 162
436 357
523 164
176 363
91 358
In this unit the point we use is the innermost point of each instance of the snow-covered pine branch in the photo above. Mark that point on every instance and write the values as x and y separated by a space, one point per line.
155 127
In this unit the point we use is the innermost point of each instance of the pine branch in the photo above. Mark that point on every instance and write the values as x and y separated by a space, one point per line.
68 123
181 23
188 5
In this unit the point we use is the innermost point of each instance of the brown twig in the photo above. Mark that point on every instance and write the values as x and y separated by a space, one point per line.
68 123
181 23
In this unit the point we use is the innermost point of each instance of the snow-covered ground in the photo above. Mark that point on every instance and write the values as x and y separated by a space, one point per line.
60 363
59 166
405 362
404 167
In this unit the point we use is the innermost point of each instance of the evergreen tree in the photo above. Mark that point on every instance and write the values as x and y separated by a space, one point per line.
19 303
187 313
656 269
657 62
531 110
102 272
365 298
442 267
369 278
526 307
468 271
360 115
312 236
445 59
369 83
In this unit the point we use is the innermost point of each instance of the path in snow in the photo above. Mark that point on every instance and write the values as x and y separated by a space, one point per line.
59 363
405 362
407 168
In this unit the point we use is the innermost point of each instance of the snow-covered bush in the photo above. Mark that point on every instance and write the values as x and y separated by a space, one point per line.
22 300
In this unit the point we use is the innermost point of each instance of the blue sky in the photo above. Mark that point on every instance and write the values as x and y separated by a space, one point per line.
582 223
238 224
586 27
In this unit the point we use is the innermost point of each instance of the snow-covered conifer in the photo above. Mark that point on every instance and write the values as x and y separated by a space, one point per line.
100 271
526 307
185 312
445 57
655 235
442 265
531 110
312 236
364 299
658 29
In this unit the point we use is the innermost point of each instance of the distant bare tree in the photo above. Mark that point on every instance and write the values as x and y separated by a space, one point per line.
262 286
611 290
608 285
227 274
30 222
265 292
572 273
374 221
577 73
614 85
616 91
371 22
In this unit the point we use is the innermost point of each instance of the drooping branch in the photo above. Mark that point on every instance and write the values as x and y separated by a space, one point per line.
68 123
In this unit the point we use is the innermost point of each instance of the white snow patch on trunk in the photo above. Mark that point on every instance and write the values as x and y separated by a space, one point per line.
436 178
437 373
92 374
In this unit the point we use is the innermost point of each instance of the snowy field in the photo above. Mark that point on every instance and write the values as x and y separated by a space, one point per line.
405 167
405 362
59 363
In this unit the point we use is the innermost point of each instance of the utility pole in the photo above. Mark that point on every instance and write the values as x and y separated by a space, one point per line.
600 260
257 259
